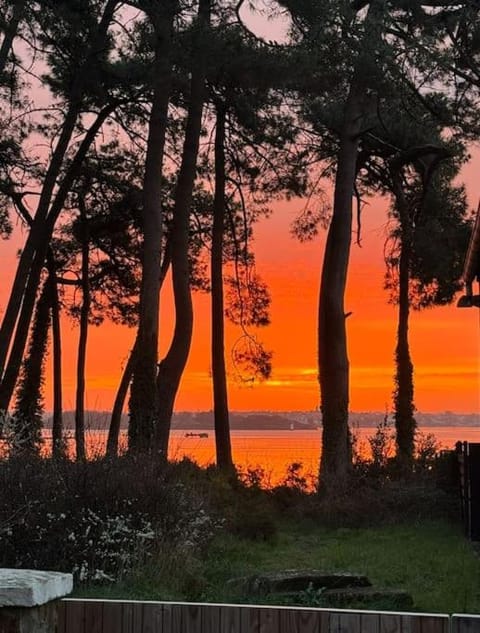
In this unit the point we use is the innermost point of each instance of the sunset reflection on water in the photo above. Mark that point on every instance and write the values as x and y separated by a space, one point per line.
271 451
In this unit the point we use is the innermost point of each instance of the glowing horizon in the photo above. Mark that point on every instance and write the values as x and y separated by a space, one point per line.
446 375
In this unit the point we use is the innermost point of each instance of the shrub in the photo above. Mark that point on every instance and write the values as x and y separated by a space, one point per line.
97 519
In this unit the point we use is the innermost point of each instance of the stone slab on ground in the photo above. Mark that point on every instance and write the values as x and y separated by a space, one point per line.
364 596
29 587
291 580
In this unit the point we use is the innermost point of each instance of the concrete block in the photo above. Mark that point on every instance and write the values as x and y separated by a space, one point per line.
29 587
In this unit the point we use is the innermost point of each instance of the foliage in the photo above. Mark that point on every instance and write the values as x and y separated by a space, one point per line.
381 443
431 554
29 408
440 238
176 531
251 360
99 520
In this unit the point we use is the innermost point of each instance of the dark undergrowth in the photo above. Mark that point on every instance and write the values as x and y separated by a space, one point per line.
133 527
46 502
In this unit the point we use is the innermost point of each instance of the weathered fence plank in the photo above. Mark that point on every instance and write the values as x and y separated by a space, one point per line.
349 623
465 623
112 617
435 624
302 621
61 615
410 624
172 618
211 619
249 620
192 619
129 625
269 620
93 617
127 618
390 623
230 619
370 623
75 617
97 616
152 618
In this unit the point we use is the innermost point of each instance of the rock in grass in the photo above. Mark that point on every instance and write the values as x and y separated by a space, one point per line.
293 580
367 597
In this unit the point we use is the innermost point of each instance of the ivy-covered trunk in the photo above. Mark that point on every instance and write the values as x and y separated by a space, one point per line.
405 424
28 413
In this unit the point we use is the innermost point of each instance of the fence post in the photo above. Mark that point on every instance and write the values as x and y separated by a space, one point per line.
29 598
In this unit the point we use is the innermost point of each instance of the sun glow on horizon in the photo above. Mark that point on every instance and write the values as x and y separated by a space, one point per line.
445 342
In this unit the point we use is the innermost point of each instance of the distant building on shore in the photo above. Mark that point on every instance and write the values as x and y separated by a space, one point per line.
471 269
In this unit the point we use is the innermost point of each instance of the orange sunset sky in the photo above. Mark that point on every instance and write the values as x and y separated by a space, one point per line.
444 341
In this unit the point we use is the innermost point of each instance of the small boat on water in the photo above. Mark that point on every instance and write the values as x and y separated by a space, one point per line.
196 434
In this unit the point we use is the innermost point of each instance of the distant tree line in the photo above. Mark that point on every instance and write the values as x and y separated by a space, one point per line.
147 138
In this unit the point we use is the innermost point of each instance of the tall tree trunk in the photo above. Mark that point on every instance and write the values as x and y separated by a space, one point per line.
143 392
10 32
27 276
171 368
332 335
58 448
116 418
28 414
83 337
38 244
219 374
405 424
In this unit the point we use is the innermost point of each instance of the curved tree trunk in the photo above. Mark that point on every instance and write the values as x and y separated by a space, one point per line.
143 393
37 246
33 241
27 276
121 395
82 340
219 374
171 368
332 335
116 418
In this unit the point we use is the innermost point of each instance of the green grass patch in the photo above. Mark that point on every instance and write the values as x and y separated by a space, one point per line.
431 560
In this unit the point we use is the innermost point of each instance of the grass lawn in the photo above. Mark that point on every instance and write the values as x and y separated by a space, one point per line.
431 560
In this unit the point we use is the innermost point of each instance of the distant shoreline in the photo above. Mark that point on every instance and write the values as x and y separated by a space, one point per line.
272 421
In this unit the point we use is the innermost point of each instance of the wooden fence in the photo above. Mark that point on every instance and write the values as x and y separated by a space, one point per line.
468 454
465 623
105 616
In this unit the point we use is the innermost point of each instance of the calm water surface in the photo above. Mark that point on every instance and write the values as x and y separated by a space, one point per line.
274 451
